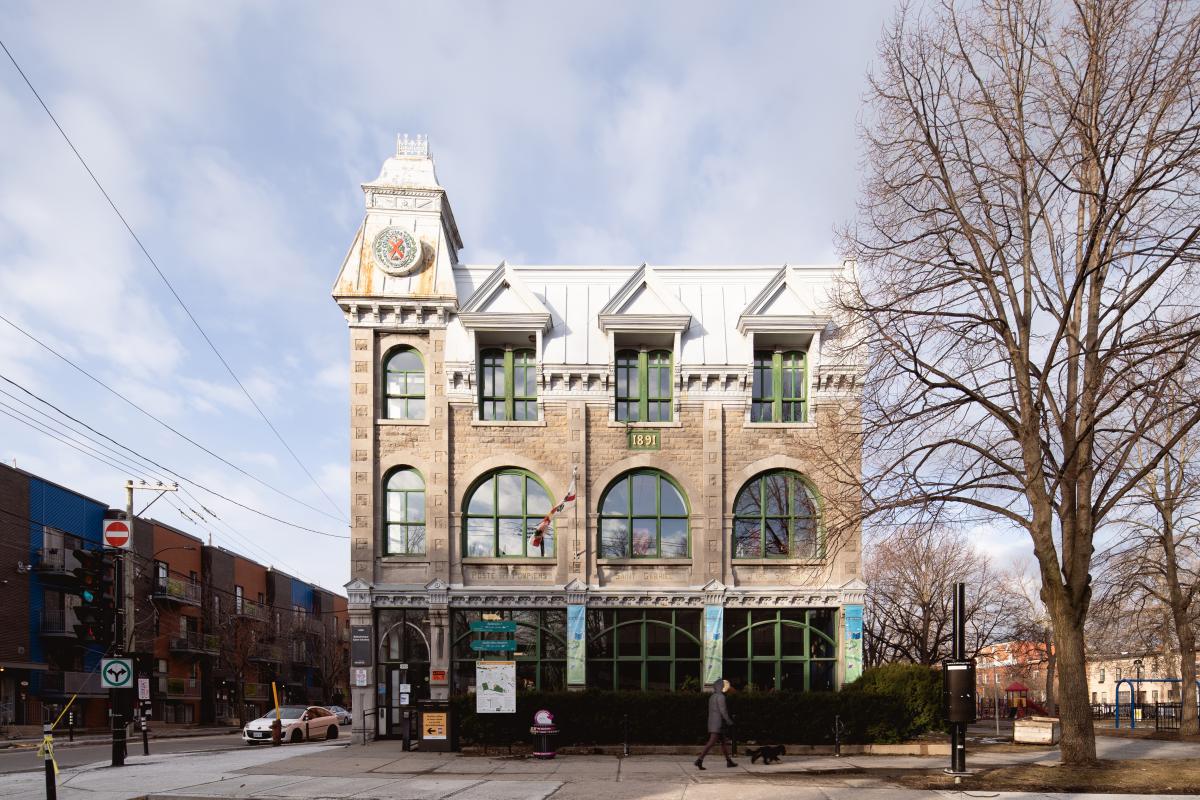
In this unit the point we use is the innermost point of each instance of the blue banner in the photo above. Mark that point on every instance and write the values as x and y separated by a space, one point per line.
576 646
714 633
854 641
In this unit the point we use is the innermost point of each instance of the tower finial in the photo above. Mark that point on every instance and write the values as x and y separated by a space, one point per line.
415 146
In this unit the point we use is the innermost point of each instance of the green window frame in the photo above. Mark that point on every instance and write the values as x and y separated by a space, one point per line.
780 390
644 514
789 649
644 649
508 384
501 514
776 514
643 391
541 653
404 384
404 513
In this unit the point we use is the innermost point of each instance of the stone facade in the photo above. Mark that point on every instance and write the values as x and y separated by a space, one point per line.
448 313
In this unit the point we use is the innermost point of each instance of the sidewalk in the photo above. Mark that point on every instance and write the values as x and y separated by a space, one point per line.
381 771
162 731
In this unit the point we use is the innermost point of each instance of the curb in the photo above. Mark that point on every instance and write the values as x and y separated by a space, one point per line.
60 741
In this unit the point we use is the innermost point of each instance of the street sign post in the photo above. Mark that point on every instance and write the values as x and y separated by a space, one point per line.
143 688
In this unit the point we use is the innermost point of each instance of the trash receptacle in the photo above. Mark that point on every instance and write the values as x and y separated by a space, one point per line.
434 726
543 731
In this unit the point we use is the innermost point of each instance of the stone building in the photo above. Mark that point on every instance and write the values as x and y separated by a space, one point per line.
699 416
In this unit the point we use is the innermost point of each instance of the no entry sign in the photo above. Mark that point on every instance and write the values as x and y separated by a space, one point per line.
116 533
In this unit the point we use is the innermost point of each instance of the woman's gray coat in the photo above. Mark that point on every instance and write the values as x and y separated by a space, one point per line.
718 710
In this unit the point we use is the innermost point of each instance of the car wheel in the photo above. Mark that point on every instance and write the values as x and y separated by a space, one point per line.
332 732
297 737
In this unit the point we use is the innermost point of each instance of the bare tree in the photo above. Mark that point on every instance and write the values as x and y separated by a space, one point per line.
1027 239
332 659
241 638
1031 626
910 577
1154 565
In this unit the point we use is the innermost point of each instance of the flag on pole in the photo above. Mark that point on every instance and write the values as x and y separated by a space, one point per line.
542 526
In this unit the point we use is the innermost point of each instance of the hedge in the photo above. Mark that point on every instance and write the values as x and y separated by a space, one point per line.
678 718
919 687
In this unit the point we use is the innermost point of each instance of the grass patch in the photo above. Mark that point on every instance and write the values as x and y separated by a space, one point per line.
1137 776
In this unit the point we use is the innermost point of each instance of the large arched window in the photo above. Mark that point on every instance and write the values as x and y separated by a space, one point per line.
404 385
775 515
501 516
404 491
643 515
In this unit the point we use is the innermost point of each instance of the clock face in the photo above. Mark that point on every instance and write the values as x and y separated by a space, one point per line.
397 250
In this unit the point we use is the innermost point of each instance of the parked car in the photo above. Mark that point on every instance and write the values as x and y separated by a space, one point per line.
342 714
297 723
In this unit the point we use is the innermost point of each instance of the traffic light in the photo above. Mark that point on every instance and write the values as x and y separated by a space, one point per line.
96 613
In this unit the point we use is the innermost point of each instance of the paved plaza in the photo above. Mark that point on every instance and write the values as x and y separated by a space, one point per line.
382 771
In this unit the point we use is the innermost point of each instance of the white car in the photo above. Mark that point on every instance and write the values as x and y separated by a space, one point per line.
297 723
342 714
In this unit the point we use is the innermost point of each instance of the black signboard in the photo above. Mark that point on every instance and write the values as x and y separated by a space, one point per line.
360 646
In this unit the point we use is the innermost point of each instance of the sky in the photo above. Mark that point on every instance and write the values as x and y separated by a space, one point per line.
234 138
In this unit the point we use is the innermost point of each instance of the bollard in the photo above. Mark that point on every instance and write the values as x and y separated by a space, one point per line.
145 733
70 726
276 733
837 736
406 716
625 729
48 758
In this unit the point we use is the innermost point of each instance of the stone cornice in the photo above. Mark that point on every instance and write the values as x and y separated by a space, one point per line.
405 314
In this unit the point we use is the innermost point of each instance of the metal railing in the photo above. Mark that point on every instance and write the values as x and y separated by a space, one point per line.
55 560
57 622
196 643
1103 710
68 683
256 691
271 653
178 590
248 609
1167 716
180 687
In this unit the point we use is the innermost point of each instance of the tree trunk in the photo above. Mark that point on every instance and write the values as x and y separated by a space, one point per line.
1078 744
1189 725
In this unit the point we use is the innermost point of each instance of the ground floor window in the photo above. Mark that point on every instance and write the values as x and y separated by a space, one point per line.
790 649
644 649
541 648
404 639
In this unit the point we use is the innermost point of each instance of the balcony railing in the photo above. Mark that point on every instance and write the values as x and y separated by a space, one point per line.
55 561
256 691
267 653
85 684
179 687
177 590
248 609
57 622
196 643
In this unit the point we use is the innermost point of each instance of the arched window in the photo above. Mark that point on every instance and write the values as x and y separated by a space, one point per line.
643 515
404 385
501 516
507 385
404 491
643 386
775 515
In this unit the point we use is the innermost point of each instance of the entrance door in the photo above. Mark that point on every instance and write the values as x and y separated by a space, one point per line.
393 727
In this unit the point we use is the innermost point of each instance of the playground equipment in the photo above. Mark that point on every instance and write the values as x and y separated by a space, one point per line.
1133 697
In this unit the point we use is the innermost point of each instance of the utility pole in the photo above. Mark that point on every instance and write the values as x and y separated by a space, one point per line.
119 699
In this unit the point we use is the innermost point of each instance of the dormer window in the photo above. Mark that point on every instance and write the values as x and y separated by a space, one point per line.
779 392
507 384
643 386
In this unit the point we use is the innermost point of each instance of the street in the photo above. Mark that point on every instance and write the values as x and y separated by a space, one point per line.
23 759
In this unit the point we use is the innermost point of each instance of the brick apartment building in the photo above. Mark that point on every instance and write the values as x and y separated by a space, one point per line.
212 629
698 413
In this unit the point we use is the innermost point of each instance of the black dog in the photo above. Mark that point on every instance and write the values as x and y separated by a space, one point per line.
768 753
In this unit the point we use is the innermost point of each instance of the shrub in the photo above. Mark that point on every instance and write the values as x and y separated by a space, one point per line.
678 718
918 686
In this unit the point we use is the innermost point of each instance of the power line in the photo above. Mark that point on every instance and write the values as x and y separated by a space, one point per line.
165 280
168 470
160 421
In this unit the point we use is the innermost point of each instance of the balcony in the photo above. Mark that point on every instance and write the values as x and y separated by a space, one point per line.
175 590
267 654
179 688
196 644
55 562
65 684
57 623
248 609
256 691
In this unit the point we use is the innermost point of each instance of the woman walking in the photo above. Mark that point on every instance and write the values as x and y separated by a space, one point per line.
718 721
